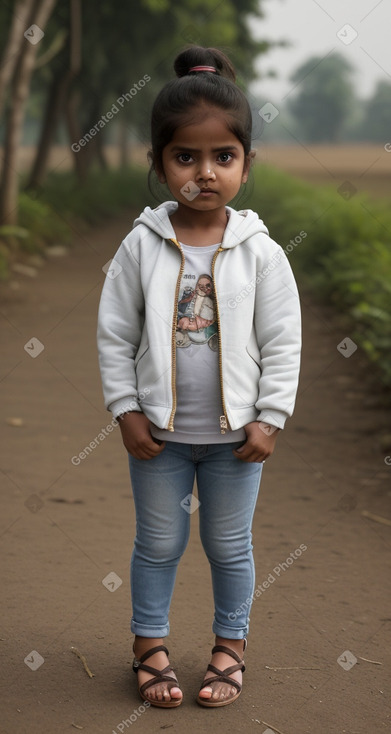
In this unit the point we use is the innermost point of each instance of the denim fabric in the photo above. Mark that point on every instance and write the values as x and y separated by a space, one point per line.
162 491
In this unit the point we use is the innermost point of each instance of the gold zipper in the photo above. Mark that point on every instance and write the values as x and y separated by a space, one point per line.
224 423
170 426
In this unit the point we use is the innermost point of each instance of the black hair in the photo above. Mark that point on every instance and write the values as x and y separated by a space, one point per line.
178 99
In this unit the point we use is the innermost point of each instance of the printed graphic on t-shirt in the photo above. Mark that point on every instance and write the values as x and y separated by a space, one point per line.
197 323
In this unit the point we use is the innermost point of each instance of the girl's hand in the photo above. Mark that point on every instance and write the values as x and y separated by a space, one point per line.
261 439
137 437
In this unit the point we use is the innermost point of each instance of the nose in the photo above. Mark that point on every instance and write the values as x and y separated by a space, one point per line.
205 171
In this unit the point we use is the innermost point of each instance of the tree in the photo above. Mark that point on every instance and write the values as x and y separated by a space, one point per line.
325 94
376 125
65 67
13 43
40 11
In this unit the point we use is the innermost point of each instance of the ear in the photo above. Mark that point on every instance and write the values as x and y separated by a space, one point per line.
158 169
247 165
160 175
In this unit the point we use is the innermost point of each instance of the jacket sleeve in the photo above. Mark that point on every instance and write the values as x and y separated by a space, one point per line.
278 330
120 323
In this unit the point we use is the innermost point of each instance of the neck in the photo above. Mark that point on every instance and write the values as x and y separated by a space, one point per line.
192 219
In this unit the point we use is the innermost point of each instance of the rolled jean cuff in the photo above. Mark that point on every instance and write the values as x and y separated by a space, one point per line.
231 633
143 630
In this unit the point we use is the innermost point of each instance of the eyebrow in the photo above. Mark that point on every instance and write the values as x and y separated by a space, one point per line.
186 149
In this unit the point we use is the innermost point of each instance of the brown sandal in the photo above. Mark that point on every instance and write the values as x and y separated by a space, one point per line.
223 677
160 677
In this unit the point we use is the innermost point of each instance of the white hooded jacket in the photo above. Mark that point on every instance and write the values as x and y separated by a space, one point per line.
258 314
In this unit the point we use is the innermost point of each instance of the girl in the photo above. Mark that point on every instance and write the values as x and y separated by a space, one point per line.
199 350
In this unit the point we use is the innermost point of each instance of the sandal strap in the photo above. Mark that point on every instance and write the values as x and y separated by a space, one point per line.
228 651
172 683
154 671
221 679
226 671
149 653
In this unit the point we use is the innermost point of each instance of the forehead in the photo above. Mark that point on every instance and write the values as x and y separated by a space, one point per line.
205 128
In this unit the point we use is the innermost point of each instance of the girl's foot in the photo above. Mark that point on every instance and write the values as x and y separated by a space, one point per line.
221 692
162 692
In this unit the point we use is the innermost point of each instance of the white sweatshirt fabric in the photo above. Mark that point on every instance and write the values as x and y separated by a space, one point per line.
259 322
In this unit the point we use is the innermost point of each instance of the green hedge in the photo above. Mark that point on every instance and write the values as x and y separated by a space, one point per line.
345 257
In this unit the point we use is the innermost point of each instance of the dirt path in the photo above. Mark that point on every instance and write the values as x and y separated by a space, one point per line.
66 526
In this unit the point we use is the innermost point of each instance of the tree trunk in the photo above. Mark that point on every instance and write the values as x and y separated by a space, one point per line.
14 125
54 105
57 96
23 9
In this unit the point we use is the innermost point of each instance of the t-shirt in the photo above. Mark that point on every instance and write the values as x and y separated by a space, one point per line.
199 403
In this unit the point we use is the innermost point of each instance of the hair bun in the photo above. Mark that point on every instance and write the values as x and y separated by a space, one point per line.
200 56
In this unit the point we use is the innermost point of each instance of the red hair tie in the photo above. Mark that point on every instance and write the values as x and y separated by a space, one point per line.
202 68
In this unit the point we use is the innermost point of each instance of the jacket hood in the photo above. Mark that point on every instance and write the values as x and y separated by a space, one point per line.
240 226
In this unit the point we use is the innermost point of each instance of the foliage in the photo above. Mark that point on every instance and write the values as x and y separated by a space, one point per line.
324 97
376 125
345 257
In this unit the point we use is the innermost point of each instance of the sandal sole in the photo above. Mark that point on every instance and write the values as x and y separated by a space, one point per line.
206 701
162 704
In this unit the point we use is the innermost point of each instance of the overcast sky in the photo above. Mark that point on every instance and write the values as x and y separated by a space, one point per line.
312 27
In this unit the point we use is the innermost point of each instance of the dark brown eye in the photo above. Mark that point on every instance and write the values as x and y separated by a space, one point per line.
225 157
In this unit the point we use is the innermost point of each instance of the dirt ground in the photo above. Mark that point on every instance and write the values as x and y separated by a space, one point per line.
319 653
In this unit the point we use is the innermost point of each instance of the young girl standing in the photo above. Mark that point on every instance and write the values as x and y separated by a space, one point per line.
199 350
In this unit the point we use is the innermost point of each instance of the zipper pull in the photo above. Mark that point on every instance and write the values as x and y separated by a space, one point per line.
223 424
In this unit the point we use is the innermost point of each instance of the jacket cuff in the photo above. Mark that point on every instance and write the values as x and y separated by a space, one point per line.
124 405
273 418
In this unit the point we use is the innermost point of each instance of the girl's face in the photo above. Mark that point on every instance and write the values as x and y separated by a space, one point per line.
204 163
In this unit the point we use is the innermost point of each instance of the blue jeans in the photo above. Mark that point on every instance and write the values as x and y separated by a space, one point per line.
162 491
